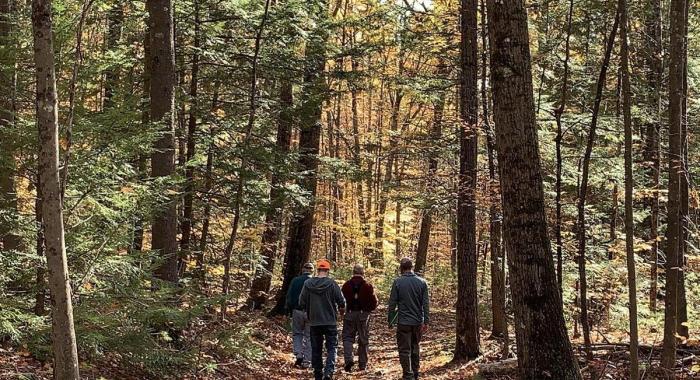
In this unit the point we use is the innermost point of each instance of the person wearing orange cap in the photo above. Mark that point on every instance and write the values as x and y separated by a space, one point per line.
322 299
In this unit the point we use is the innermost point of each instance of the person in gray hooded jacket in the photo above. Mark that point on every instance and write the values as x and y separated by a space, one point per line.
322 299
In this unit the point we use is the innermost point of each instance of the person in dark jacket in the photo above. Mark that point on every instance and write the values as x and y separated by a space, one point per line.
322 299
301 329
361 301
409 293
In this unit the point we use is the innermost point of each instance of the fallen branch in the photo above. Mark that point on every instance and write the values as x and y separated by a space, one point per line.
499 368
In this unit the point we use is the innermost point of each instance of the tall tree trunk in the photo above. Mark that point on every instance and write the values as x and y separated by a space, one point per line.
140 161
544 350
206 191
583 188
298 248
162 111
654 63
274 215
435 137
681 321
8 80
629 189
63 332
499 325
467 329
558 113
40 292
675 158
188 199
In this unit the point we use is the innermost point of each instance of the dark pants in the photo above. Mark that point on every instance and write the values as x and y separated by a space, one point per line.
356 325
408 340
318 335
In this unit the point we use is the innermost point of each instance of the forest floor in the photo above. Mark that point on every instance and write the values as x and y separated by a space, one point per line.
271 340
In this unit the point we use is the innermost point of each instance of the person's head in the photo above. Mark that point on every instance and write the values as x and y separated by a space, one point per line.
358 270
308 268
323 268
406 265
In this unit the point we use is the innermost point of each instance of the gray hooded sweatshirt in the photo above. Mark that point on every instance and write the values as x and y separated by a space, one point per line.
321 297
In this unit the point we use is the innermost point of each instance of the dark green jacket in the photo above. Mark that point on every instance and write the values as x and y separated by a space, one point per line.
295 290
409 294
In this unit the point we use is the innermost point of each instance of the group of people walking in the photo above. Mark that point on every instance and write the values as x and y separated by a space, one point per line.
315 303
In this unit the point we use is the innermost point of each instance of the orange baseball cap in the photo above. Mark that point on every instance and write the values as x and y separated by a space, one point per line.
323 264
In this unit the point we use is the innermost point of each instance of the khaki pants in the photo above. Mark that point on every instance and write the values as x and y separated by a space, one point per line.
356 326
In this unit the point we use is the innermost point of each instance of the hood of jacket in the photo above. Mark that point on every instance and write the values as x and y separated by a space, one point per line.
319 285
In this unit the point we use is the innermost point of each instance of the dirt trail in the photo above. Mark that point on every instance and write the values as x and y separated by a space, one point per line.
383 356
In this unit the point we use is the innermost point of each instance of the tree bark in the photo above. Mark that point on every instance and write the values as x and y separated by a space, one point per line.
298 249
8 81
583 188
162 110
188 199
63 331
675 151
629 192
435 136
681 322
499 321
654 63
467 323
558 113
544 350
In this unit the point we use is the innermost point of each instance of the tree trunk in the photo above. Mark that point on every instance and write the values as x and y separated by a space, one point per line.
63 332
8 81
675 152
435 138
40 295
467 323
583 188
274 215
140 161
681 321
188 199
499 321
654 63
298 250
629 189
544 350
162 110
558 112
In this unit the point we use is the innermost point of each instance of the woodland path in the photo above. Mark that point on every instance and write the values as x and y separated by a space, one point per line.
384 362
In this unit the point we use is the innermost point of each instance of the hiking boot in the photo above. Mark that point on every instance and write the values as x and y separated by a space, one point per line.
298 363
348 366
305 365
328 377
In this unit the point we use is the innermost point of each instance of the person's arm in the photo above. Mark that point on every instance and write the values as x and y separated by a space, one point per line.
303 298
426 304
393 302
340 300
288 303
373 301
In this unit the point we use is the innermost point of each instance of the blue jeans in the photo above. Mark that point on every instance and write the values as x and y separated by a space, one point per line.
318 334
301 339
